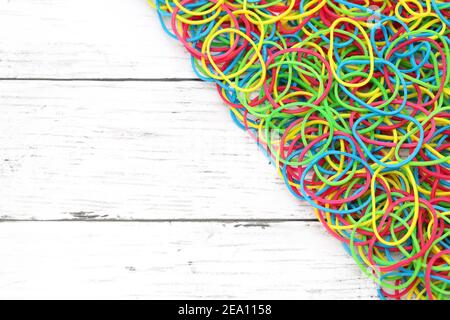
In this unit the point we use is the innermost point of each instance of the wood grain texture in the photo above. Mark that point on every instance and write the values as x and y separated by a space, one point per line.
175 260
96 153
87 39
131 150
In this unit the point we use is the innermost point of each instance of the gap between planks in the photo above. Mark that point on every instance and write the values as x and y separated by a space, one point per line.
106 79
224 221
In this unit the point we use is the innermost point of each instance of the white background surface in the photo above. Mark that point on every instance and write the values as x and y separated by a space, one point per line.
121 176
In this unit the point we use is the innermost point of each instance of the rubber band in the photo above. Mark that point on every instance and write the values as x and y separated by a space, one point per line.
350 101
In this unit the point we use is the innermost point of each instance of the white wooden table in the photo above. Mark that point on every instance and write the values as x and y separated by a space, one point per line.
122 176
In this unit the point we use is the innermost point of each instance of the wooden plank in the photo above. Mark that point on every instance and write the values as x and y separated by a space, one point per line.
86 39
131 150
175 260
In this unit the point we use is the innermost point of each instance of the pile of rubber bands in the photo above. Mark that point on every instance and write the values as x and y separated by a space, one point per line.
351 101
